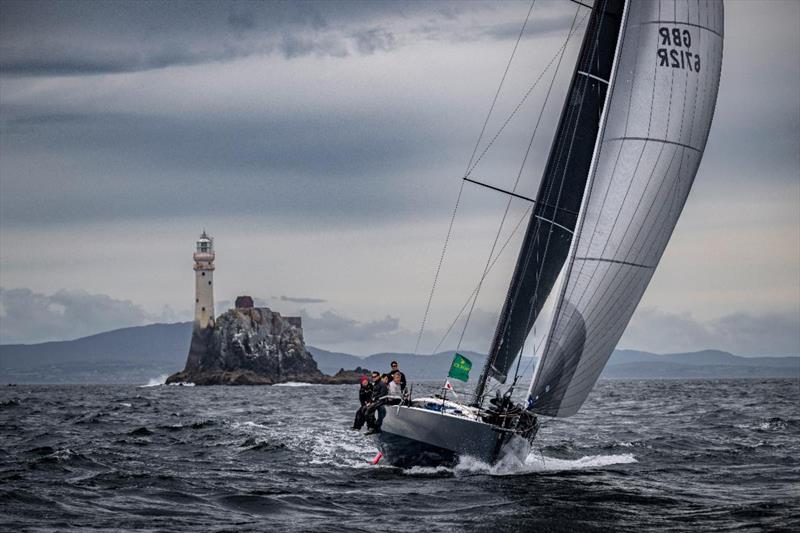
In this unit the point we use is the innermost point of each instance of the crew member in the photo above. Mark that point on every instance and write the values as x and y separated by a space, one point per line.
396 370
379 393
394 385
364 396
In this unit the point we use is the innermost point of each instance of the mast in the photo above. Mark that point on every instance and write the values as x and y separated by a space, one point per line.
550 229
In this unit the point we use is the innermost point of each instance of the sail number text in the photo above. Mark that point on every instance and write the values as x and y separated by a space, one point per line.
674 51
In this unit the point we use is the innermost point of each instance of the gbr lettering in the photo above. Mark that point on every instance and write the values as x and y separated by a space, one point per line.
675 49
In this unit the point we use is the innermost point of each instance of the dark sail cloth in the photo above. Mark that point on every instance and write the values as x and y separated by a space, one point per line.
364 397
379 390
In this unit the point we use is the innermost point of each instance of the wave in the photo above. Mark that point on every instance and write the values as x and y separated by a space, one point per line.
156 382
294 384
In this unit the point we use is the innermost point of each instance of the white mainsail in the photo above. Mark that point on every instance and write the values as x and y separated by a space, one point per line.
654 129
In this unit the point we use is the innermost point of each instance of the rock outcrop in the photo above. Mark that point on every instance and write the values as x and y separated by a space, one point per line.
253 346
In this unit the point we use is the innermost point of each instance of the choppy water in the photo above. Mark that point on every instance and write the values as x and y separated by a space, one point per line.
641 455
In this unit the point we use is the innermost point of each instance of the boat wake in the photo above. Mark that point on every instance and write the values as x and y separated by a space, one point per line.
534 464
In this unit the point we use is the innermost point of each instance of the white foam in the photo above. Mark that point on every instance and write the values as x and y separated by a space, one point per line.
249 424
155 382
540 463
294 384
427 470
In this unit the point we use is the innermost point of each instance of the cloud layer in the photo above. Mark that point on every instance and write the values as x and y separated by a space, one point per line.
73 38
27 316
323 142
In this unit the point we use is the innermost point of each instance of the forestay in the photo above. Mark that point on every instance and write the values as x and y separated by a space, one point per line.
660 104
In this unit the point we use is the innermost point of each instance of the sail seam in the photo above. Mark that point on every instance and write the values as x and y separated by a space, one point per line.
500 330
675 23
665 141
616 261
569 150
581 219
618 294
604 11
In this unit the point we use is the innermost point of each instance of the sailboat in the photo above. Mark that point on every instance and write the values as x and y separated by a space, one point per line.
631 134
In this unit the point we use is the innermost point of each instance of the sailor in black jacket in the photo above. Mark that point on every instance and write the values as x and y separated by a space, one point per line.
379 392
364 397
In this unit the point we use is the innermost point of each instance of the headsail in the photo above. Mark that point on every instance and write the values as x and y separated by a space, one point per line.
661 102
550 229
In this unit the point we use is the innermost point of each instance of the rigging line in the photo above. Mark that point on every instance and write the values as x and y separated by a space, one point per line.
516 183
515 195
655 199
558 53
498 333
511 297
461 189
669 114
521 197
496 258
499 87
557 309
613 171
561 156
438 269
536 292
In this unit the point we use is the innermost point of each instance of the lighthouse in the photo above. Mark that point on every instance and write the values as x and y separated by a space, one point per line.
204 282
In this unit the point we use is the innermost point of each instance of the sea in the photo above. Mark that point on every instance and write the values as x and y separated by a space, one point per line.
642 455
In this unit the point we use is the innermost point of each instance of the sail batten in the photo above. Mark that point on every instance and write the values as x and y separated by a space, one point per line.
660 105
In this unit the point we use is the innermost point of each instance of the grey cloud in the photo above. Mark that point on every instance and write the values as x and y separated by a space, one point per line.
85 38
293 46
775 333
67 61
294 165
376 39
331 328
241 20
27 316
299 300
538 27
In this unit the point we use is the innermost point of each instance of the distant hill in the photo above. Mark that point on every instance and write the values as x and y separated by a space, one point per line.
127 355
138 354
418 366
626 364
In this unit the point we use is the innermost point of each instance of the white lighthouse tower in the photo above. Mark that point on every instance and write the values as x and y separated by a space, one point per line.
204 282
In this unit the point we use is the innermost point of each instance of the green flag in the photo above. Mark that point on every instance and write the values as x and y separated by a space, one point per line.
460 368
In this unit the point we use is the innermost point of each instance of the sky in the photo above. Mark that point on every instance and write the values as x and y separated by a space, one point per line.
322 144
